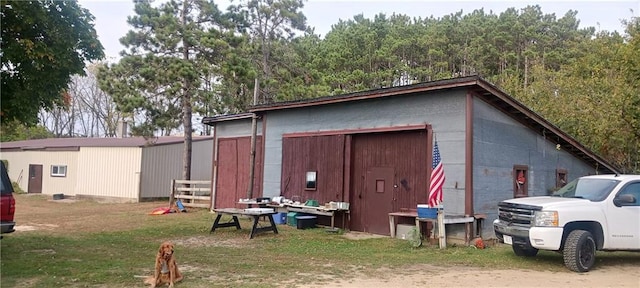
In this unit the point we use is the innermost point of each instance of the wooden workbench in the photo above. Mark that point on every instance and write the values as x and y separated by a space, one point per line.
438 223
235 213
321 210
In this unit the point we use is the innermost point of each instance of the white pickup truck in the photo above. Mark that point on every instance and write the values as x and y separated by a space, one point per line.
600 212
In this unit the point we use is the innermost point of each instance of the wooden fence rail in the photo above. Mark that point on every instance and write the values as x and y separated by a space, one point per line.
192 193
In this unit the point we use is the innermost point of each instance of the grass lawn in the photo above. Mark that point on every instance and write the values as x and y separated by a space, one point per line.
88 244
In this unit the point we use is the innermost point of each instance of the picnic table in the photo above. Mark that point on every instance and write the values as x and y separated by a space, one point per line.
235 213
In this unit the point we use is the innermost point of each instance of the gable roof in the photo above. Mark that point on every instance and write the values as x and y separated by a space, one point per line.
479 87
74 144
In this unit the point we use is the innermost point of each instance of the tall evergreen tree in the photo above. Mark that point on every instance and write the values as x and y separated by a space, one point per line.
271 25
172 50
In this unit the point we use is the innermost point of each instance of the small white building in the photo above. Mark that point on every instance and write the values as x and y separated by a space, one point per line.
107 169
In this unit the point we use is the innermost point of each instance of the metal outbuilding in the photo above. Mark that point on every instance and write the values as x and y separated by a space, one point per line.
112 169
373 149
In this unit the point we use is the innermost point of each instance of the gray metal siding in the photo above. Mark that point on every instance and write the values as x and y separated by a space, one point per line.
444 110
499 143
163 163
201 157
236 128
160 164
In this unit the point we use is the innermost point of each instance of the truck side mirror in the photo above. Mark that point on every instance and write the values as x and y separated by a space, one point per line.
624 200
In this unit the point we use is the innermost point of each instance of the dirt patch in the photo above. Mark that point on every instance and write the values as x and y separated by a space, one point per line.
36 226
27 283
32 213
42 251
207 241
434 276
64 200
353 235
461 276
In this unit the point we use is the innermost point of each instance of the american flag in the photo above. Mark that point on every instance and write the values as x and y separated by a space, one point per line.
437 178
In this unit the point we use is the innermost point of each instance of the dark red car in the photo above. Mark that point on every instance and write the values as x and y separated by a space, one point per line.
8 204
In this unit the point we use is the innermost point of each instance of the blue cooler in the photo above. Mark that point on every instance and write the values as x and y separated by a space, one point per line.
425 212
280 218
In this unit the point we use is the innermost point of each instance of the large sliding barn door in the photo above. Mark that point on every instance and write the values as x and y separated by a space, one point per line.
323 155
233 171
389 172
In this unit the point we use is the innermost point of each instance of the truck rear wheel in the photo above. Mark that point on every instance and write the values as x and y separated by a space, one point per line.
524 251
579 251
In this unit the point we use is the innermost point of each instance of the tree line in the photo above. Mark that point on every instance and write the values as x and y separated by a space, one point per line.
186 57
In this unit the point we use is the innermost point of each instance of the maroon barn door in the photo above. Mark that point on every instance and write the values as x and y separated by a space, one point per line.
233 171
387 174
35 179
378 197
323 155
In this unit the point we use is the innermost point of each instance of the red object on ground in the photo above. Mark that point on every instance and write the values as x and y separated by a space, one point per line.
161 211
479 243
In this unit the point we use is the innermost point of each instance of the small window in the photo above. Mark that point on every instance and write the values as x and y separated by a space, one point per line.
311 181
380 186
32 171
520 181
561 178
59 170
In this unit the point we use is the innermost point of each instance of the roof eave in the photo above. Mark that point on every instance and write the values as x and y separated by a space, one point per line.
371 94
221 118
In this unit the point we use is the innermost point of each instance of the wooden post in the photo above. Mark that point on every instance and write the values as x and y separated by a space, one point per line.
442 233
254 128
173 191
392 226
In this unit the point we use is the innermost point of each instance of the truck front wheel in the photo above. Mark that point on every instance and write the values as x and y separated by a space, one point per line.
579 251
524 251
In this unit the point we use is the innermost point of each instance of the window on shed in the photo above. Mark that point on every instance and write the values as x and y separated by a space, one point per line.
520 181
379 185
561 178
311 180
59 170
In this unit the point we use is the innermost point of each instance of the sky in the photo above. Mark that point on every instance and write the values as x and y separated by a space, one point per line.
111 15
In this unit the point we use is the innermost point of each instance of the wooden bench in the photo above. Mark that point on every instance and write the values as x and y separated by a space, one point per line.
438 223
322 211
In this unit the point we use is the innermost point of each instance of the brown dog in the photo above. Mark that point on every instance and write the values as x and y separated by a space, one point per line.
166 270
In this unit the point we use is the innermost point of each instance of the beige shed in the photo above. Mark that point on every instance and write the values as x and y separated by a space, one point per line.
110 169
